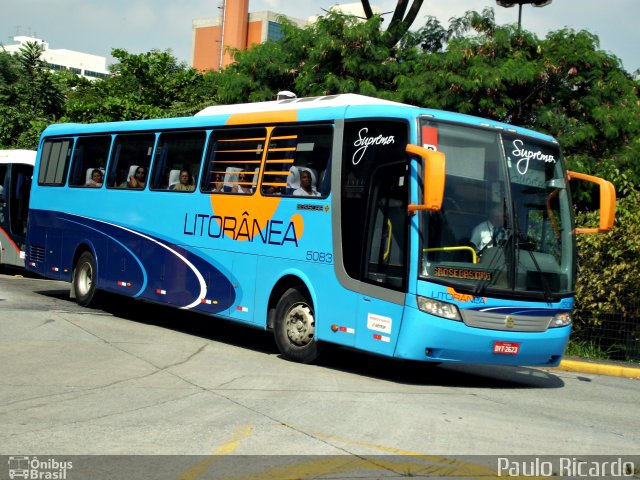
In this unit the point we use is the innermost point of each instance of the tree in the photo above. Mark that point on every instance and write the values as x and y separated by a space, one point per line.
147 85
609 277
31 97
337 54
563 85
400 23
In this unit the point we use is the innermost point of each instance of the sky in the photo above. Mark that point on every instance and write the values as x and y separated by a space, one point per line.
138 26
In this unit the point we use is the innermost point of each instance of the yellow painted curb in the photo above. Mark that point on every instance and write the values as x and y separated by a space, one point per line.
599 369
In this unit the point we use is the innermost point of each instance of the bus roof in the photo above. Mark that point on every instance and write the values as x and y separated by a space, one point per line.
354 100
347 105
341 100
18 156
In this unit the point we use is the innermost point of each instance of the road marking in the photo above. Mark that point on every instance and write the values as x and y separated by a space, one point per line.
227 448
361 466
410 464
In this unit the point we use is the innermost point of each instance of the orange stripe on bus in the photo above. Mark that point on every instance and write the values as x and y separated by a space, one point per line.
263 117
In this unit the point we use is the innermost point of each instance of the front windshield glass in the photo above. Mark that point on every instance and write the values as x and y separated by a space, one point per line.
544 229
505 224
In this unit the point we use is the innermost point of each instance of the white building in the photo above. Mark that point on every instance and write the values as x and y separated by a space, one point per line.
84 64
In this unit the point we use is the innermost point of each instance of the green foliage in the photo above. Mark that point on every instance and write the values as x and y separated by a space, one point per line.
563 85
347 56
337 54
609 264
147 85
594 108
30 97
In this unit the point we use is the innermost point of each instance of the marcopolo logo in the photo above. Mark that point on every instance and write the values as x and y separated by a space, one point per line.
41 469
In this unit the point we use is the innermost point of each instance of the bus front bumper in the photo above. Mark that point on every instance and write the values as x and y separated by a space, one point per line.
429 338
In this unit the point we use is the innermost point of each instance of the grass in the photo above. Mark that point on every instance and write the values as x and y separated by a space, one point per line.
586 349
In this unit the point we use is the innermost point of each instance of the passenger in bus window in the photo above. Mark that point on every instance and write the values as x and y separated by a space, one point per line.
271 190
218 183
96 178
306 189
243 186
186 182
138 179
119 179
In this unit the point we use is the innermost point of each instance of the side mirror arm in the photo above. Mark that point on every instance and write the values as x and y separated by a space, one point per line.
607 202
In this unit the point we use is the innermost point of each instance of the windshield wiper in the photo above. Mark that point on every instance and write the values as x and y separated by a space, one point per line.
494 266
522 238
548 295
522 243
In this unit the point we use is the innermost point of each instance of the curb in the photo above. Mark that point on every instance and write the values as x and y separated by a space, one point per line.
599 369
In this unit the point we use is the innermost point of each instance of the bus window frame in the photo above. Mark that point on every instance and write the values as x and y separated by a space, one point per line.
111 173
207 161
73 169
153 175
322 176
51 140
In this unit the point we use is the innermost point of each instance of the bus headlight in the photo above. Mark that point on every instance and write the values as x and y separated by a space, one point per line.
560 320
439 309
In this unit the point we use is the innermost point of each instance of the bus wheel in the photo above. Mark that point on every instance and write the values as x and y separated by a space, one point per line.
295 326
84 280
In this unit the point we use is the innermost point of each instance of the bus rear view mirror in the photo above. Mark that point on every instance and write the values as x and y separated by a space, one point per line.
433 179
607 202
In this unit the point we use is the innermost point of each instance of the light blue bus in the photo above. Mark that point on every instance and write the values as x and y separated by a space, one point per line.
326 220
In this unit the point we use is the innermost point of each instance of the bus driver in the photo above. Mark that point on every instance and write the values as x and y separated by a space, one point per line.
490 232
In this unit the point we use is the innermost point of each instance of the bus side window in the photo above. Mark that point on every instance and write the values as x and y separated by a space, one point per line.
90 154
175 153
129 150
233 159
54 161
297 161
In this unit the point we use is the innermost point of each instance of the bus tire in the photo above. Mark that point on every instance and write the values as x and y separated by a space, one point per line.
84 280
294 327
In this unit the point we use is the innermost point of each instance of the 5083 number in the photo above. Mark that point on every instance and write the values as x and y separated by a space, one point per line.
319 257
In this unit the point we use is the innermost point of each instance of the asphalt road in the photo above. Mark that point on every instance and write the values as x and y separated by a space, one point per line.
139 379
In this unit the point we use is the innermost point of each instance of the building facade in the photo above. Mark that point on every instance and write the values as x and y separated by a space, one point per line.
235 28
238 29
83 64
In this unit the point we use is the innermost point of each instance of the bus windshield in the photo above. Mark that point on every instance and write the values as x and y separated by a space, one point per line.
505 227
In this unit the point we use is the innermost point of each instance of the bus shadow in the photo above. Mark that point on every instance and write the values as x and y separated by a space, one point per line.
444 374
18 272
332 357
191 323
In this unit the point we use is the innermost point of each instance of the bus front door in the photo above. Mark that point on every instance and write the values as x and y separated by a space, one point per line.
384 261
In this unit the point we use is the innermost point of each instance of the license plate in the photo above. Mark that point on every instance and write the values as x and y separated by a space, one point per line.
506 348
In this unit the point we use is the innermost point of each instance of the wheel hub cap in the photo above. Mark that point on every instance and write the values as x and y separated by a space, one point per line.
300 325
